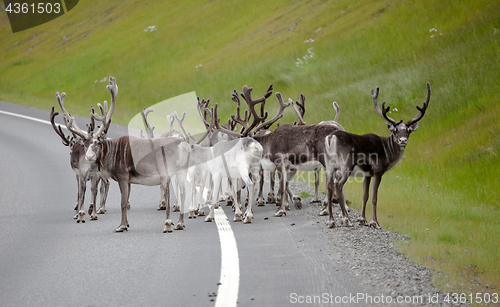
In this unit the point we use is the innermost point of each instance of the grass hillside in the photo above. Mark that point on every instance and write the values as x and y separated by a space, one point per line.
445 195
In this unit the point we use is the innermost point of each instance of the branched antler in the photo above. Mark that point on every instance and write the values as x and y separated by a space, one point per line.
279 114
299 108
150 130
421 109
384 110
65 140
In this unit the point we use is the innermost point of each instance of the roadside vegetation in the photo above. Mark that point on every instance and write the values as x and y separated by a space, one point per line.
445 194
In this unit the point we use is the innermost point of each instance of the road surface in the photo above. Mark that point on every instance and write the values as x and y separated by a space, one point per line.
47 259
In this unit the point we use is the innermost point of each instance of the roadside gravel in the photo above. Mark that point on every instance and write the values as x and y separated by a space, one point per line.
372 258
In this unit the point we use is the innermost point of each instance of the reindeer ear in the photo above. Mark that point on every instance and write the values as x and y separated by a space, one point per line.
413 127
390 127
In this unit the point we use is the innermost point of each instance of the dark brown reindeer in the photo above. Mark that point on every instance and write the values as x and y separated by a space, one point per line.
289 146
369 155
83 169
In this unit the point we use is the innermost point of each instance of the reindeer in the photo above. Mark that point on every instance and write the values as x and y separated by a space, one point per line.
170 133
369 155
289 147
84 170
139 161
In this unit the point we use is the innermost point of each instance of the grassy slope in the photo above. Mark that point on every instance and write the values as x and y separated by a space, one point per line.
444 195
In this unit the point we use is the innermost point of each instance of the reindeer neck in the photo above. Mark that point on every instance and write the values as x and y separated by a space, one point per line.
394 152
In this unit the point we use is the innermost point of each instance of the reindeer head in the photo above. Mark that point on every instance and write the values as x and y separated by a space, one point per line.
401 132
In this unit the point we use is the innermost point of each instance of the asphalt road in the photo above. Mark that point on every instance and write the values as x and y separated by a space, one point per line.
47 259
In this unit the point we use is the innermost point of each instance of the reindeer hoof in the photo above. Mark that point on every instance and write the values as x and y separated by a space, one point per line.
121 228
101 210
280 213
271 198
260 202
247 219
237 217
362 221
80 216
180 226
192 214
168 226
76 216
287 207
176 208
331 224
229 201
315 200
324 212
201 212
93 217
209 219
297 203
375 225
162 205
346 222
91 208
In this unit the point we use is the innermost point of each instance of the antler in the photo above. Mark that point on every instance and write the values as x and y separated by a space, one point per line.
150 130
421 109
69 120
302 105
179 121
202 105
210 126
337 111
384 110
106 114
279 115
58 129
251 105
242 121
219 127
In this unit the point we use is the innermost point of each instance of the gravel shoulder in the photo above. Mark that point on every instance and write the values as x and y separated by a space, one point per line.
372 259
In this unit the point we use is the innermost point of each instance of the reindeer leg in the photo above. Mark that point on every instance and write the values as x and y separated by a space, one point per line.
282 193
271 198
260 198
329 195
94 182
192 206
237 203
128 198
366 194
104 195
125 191
247 218
82 187
316 187
162 205
211 216
77 195
182 196
376 182
339 192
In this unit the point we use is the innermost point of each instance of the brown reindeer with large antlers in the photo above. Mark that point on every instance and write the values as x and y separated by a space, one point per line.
83 169
139 161
368 154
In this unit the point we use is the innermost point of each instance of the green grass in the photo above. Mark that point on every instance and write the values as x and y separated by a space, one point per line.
448 182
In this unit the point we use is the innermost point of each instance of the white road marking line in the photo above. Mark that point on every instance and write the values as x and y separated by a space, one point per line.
230 263
27 117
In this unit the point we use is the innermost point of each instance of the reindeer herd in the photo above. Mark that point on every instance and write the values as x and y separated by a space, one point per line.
238 153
